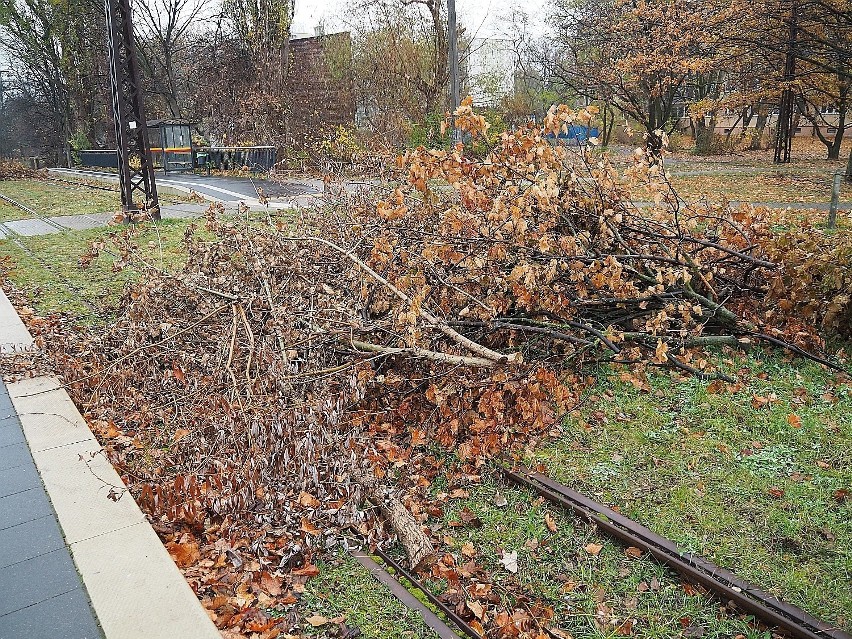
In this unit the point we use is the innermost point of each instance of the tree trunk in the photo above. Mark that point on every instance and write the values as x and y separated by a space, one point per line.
834 148
745 118
608 124
759 128
653 140
705 136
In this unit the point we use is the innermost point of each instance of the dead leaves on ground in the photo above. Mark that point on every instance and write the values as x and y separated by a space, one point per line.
244 595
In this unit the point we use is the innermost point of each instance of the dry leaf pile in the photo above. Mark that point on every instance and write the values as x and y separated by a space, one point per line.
259 401
14 170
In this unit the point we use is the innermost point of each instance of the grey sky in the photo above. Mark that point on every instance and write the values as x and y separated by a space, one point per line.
484 18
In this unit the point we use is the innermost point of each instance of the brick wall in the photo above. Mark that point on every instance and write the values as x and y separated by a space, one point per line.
320 87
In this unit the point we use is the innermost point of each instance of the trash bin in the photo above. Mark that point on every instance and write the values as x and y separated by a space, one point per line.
202 160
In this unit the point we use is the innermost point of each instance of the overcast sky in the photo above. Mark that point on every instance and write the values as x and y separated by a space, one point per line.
483 18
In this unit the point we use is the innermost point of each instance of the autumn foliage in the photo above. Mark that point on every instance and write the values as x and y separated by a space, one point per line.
422 333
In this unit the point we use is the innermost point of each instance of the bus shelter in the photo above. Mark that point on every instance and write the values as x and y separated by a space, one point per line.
171 144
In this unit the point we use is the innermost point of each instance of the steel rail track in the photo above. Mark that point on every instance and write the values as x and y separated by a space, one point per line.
16 237
788 618
725 584
86 184
32 212
404 595
446 610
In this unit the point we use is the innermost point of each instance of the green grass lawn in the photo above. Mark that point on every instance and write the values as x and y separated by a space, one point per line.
756 486
48 267
753 480
53 198
345 589
50 199
775 186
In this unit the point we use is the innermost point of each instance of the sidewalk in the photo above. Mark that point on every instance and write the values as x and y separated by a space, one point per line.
42 593
75 563
34 226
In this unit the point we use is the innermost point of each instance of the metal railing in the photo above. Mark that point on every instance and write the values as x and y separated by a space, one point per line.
256 158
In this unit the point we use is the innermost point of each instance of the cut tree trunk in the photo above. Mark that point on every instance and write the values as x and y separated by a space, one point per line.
759 128
417 546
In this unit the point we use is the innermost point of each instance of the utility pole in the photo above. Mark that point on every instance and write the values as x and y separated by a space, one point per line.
452 33
835 197
4 125
135 166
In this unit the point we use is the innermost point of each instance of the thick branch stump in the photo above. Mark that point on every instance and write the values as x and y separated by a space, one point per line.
417 545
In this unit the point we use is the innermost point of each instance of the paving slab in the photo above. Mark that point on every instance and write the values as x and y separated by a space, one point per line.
18 479
186 207
30 539
10 435
134 586
65 616
83 222
36 580
41 594
21 507
169 213
32 227
14 336
8 416
14 456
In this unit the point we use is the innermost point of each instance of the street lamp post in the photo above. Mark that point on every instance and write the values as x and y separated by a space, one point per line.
4 134
452 33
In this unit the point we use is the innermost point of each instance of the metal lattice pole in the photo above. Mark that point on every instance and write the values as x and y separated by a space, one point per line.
784 132
135 166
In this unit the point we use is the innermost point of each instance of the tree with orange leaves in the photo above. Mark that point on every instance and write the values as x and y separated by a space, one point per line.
640 56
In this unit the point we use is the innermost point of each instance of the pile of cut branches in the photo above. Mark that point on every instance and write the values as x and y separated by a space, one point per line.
292 375
14 170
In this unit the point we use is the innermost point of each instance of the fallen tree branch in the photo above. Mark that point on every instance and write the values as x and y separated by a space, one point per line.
799 351
435 356
442 326
417 546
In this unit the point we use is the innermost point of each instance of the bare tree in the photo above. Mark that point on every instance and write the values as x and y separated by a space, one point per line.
33 37
163 28
400 57
263 27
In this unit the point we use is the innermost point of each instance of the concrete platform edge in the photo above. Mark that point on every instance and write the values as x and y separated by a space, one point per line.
136 590
14 336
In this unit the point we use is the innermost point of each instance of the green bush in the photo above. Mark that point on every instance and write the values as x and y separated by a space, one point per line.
428 133
78 142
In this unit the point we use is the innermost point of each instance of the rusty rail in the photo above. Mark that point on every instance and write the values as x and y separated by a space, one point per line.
404 595
725 584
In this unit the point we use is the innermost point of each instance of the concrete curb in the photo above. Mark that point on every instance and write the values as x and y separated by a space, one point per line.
14 336
136 590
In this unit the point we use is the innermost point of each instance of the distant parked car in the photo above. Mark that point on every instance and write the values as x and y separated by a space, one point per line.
577 134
